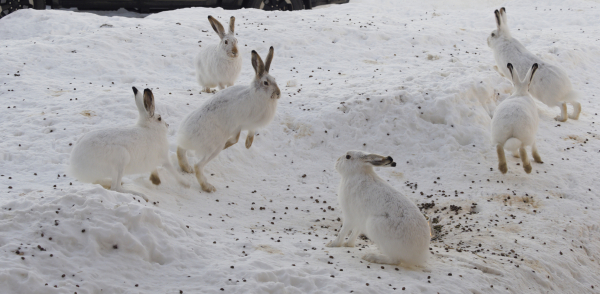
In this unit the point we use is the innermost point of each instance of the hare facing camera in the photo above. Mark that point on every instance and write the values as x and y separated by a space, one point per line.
112 153
516 121
219 65
373 207
551 85
217 124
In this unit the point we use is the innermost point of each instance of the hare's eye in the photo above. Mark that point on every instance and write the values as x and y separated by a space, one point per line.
225 42
266 83
493 35
348 156
159 118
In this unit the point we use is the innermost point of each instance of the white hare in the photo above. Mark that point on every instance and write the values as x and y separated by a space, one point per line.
372 207
217 124
515 122
114 152
551 84
220 64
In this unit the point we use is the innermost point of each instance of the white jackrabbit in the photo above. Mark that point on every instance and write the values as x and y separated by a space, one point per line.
217 124
219 65
372 207
114 152
516 120
551 84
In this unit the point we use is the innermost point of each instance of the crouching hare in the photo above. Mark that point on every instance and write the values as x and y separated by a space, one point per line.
551 84
111 153
372 207
217 124
516 121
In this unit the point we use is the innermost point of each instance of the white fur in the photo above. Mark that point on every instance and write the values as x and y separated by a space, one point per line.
217 124
372 207
219 65
515 123
551 85
114 152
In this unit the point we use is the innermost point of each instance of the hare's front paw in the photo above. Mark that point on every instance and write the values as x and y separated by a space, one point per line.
349 244
333 244
206 187
560 118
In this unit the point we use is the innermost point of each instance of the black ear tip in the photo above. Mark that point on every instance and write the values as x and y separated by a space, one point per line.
509 65
271 48
496 11
134 90
535 65
393 164
210 16
390 158
147 90
254 52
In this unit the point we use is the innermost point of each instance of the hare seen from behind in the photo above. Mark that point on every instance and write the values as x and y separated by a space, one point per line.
516 121
219 65
217 124
373 207
551 85
114 152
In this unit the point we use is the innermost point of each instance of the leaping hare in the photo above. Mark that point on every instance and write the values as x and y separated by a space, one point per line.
372 207
114 152
551 85
217 124
515 122
219 65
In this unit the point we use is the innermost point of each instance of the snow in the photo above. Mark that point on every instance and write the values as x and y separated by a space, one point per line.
409 79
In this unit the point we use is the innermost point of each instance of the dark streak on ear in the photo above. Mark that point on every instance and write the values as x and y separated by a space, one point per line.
231 24
257 63
269 59
533 69
149 102
497 14
503 10
510 68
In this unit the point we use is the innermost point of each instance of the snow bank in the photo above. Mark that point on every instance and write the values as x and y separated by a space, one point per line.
408 79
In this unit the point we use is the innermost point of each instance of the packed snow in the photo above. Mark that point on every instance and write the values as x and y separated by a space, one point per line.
407 79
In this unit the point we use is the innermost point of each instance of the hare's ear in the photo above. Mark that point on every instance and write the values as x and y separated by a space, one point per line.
134 91
257 63
378 160
216 25
231 24
498 19
269 59
530 73
149 102
504 17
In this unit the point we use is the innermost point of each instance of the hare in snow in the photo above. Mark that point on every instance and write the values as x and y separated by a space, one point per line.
219 65
114 152
373 207
217 124
551 84
516 120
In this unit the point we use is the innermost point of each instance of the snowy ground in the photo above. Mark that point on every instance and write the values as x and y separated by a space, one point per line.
410 79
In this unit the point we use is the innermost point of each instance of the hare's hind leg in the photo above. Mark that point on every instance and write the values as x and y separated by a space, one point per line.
199 169
536 155
380 258
232 140
154 177
526 163
183 162
501 158
576 110
249 139
563 113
